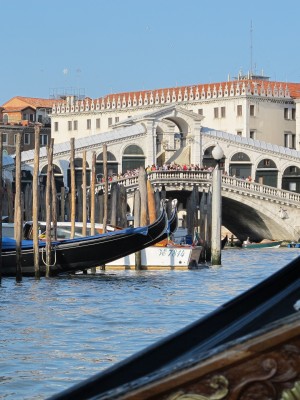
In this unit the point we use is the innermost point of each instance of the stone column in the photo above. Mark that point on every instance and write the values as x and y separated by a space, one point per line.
151 142
195 143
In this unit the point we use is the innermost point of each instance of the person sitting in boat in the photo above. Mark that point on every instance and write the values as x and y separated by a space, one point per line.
247 241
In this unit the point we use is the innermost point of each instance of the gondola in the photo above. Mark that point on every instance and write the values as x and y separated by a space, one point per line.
271 301
82 253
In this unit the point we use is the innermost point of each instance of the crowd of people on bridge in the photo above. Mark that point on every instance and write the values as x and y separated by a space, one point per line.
153 168
165 167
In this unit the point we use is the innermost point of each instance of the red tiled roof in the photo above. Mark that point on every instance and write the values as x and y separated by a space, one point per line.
31 101
293 88
15 109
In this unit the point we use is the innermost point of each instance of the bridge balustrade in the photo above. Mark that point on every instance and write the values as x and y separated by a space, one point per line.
229 183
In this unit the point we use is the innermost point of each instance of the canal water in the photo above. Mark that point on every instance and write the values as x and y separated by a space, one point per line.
56 332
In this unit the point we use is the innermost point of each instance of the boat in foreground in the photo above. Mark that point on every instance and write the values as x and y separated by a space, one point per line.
158 372
264 244
71 255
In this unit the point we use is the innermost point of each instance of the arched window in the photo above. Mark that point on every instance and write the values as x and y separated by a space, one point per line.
291 179
58 176
112 165
78 173
133 158
266 163
240 157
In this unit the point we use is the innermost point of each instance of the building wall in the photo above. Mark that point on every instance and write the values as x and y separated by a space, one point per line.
267 124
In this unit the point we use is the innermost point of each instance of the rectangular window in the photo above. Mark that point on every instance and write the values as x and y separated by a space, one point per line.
116 120
286 140
43 139
69 125
239 111
286 113
200 111
216 112
223 112
293 114
98 126
4 138
56 126
239 133
109 121
26 138
88 124
75 125
24 116
252 134
251 110
40 119
290 140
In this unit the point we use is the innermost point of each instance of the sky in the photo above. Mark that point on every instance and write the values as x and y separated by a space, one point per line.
97 47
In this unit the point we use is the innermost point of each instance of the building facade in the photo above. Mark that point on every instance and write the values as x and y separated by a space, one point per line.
251 108
18 116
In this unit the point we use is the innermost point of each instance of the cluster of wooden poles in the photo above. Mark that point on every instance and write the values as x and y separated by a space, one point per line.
39 203
43 203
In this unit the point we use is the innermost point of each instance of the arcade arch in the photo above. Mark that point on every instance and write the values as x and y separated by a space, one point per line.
267 172
78 163
209 161
133 157
112 165
240 165
58 177
291 179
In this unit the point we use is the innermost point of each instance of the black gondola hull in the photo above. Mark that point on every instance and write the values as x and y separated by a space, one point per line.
83 253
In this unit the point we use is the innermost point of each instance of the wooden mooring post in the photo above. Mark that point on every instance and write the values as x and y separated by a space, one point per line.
136 223
142 181
18 220
92 196
49 207
1 201
73 187
35 201
84 203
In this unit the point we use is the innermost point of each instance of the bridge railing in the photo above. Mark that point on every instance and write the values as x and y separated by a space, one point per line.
229 182
189 178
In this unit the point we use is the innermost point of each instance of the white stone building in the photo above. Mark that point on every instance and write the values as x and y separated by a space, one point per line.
253 108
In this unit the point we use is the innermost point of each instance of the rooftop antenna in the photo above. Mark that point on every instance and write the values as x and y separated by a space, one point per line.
251 48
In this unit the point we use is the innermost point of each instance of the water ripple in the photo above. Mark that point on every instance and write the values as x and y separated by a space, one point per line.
56 332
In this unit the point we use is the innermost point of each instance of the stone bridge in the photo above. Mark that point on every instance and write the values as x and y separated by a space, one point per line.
248 208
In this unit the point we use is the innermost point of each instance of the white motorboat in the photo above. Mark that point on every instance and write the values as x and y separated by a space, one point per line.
165 254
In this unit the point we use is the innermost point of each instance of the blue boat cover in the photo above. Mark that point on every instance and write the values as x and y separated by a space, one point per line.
10 244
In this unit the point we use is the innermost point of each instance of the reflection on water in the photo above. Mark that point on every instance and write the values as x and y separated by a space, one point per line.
56 332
